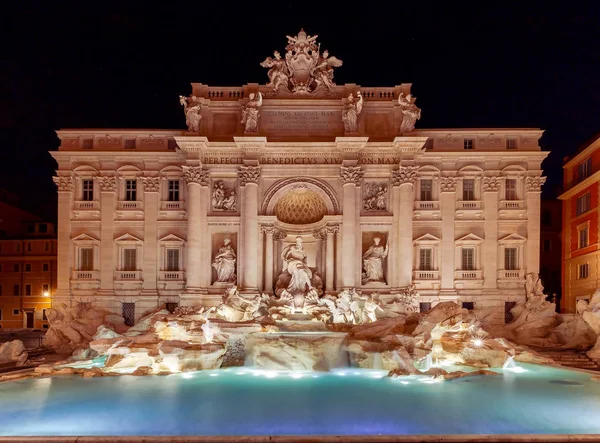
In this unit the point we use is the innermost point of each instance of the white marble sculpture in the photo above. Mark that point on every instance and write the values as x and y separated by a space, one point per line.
237 307
251 112
373 262
352 109
304 69
223 198
294 261
370 308
375 197
224 263
405 302
410 112
192 114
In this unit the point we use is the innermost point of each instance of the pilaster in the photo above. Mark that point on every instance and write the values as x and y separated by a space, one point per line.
448 209
533 188
150 259
330 257
489 253
64 261
351 177
249 177
268 231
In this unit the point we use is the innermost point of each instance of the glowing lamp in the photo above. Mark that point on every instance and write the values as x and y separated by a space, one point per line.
46 294
478 343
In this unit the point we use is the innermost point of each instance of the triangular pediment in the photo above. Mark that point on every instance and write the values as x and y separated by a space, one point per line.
172 238
512 238
427 238
127 238
84 237
470 238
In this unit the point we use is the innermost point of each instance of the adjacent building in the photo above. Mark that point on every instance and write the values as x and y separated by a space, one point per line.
173 217
580 208
27 266
550 249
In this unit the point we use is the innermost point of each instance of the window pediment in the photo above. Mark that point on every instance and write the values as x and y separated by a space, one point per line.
427 239
512 239
128 239
469 239
85 238
172 239
470 171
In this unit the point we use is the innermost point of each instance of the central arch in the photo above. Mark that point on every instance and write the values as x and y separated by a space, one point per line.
282 187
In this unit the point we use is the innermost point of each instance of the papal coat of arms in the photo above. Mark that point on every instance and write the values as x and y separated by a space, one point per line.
304 68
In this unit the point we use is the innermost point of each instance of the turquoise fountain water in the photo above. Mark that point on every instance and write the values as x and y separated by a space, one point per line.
243 401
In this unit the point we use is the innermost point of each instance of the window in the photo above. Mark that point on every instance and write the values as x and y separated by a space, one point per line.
547 245
511 143
468 259
28 246
131 190
468 305
18 247
44 317
129 143
583 203
172 260
28 267
16 290
510 259
45 288
173 190
547 218
16 267
0 246
43 228
129 313
583 271
424 306
511 189
0 267
468 143
0 290
87 143
88 190
45 267
86 259
27 289
584 169
583 237
16 311
425 259
426 190
129 262
468 189
0 314
31 228
46 246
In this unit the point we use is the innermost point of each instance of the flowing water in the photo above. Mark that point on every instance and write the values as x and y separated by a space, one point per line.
244 401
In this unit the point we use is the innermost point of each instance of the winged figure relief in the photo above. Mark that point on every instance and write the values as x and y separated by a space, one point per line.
278 72
323 70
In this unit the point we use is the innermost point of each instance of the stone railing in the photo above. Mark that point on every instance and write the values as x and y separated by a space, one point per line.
87 205
130 205
427 205
217 93
505 274
171 275
512 204
426 275
469 204
171 206
468 275
85 275
379 93
128 275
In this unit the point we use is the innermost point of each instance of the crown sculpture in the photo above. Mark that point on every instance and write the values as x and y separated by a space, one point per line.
304 68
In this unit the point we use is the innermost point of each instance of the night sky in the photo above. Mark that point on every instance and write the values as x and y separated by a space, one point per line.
123 65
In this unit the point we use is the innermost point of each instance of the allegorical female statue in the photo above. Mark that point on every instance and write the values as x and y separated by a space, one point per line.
250 113
352 109
224 263
373 262
294 261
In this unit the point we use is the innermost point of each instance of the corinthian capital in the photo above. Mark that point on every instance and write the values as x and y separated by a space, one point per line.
267 229
151 184
64 184
279 234
249 174
405 174
351 174
491 184
534 184
107 184
320 235
448 184
332 229
195 174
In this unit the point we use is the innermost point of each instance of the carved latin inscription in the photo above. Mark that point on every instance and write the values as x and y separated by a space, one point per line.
301 122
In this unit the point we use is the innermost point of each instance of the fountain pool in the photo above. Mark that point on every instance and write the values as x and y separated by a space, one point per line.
242 401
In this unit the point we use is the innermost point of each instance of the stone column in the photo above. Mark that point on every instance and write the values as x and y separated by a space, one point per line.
268 231
404 178
64 261
320 236
351 177
249 177
278 236
196 178
108 263
533 188
448 209
330 258
150 258
489 253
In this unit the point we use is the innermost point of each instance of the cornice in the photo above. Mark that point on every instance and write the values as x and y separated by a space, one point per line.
62 133
594 178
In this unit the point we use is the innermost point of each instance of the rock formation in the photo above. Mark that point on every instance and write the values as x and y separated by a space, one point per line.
13 351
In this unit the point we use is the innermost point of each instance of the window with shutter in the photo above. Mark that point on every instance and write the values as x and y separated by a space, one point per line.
172 259
86 259
468 189
425 261
510 259
468 259
426 190
129 260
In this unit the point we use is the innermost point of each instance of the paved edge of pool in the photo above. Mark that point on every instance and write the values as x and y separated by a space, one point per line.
495 438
